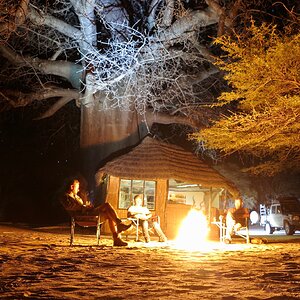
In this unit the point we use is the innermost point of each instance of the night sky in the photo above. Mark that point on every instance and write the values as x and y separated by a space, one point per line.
36 156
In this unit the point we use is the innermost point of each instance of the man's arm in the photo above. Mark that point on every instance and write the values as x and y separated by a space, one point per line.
70 204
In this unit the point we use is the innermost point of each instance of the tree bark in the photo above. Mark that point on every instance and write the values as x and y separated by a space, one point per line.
17 18
103 133
107 133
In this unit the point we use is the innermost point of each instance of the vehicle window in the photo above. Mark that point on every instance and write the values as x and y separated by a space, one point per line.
273 210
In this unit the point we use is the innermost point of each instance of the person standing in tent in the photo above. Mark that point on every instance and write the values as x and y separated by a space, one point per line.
74 204
138 211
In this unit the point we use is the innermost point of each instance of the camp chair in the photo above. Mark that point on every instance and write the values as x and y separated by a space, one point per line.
135 222
85 221
137 228
242 231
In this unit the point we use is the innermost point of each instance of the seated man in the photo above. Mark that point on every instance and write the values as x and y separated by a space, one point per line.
235 218
74 204
137 210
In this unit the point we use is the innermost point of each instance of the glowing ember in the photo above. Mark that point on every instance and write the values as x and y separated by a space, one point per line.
193 231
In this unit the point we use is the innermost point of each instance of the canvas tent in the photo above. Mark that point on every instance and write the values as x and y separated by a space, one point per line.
171 179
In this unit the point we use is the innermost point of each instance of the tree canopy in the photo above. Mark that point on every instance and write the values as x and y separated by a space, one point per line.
263 69
159 52
157 58
65 50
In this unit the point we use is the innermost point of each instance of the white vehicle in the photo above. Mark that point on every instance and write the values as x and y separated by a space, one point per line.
284 214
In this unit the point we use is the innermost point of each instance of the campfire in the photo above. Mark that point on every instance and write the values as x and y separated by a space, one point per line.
193 232
193 235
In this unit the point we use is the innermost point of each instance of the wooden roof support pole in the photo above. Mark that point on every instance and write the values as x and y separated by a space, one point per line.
209 205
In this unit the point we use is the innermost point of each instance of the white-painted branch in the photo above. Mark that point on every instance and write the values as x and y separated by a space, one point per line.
191 22
39 18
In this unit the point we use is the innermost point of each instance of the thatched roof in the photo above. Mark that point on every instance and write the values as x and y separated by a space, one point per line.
152 160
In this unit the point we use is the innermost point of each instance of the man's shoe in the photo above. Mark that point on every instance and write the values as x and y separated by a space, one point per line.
118 242
122 227
227 241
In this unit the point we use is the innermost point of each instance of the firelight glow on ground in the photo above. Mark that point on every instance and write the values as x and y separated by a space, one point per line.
39 264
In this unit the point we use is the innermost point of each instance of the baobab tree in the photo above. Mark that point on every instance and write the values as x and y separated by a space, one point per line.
126 63
123 62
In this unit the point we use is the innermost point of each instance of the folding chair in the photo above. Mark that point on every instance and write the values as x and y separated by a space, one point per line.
85 221
136 223
242 231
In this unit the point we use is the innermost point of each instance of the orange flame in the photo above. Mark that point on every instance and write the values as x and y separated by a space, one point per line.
193 231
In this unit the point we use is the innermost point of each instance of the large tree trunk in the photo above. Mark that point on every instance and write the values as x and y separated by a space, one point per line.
104 134
107 130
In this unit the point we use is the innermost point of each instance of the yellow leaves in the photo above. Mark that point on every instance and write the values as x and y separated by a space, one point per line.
276 131
263 69
254 42
257 130
260 72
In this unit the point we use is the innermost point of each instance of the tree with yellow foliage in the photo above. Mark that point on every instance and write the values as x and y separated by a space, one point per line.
263 69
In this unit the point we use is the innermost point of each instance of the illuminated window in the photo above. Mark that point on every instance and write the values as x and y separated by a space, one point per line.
185 193
130 188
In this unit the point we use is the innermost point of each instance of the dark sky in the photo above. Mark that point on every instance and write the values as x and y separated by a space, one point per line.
36 156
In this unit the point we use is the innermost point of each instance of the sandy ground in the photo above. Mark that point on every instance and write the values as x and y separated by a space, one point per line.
39 264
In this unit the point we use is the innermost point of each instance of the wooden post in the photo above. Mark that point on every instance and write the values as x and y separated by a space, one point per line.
72 231
209 205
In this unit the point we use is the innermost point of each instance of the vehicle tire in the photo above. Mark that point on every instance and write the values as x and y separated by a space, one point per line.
289 230
269 229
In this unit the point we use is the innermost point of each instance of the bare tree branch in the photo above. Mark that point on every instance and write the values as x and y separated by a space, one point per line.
168 14
213 4
58 105
225 19
151 20
68 70
187 24
19 99
163 118
39 18
85 12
